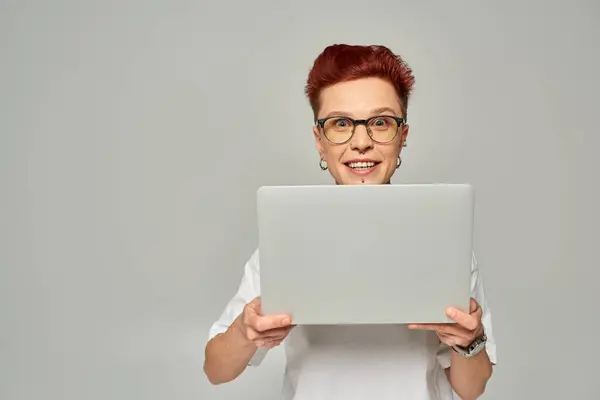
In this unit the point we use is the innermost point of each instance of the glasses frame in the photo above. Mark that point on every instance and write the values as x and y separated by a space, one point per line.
357 122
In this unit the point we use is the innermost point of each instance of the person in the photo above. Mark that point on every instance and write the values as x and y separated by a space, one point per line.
359 96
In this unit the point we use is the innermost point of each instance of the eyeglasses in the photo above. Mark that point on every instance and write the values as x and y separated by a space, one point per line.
381 128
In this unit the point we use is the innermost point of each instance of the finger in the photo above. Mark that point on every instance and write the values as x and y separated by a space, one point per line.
474 305
254 319
252 311
463 319
446 329
255 305
269 344
476 309
456 331
452 340
425 327
447 339
276 333
276 337
268 322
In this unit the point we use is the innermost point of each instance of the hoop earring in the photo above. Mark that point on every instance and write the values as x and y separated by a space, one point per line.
399 162
323 164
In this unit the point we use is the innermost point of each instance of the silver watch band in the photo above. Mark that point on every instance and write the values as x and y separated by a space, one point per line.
473 349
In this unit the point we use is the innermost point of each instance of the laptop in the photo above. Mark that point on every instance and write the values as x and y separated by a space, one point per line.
365 254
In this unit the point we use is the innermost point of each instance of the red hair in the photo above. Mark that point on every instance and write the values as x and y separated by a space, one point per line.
342 62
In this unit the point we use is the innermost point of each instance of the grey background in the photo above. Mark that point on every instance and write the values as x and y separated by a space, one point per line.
133 136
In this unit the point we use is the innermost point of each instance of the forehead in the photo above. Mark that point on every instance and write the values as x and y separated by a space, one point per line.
358 98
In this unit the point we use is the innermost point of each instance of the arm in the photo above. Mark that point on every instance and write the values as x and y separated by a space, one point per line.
228 354
228 351
468 376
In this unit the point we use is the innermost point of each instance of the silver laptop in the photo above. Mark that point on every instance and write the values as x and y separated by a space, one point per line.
365 254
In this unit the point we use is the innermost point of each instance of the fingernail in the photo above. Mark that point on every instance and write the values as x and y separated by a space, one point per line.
286 321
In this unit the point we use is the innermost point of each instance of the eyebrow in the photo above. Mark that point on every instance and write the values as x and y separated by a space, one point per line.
373 112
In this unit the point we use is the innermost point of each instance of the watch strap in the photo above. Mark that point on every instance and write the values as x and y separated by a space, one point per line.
472 349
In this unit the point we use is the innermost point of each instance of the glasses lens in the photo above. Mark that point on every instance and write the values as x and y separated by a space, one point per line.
383 129
338 130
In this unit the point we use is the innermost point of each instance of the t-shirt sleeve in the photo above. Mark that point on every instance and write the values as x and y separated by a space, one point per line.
478 293
247 291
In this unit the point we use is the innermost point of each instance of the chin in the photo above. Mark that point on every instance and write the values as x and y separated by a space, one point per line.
362 180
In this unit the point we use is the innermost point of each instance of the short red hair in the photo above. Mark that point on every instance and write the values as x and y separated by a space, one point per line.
342 62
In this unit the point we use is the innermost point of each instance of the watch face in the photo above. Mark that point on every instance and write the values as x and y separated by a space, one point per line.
473 349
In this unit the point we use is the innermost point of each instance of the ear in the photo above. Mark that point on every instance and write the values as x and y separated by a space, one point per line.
318 142
403 135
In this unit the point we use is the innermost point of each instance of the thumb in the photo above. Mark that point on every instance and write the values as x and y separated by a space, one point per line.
256 305
474 306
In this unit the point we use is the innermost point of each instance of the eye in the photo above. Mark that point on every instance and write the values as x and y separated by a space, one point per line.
382 123
338 124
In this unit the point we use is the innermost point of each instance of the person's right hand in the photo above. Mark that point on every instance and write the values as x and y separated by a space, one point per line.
265 331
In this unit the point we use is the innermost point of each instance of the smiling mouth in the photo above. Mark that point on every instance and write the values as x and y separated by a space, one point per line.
361 165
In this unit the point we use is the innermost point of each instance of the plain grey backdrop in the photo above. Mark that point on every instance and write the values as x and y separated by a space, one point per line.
134 134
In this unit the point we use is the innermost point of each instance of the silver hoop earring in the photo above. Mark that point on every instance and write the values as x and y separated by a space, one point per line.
399 162
323 164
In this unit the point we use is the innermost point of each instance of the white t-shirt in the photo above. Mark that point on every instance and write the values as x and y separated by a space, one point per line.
363 361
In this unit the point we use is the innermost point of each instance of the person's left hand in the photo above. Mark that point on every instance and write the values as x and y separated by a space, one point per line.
468 326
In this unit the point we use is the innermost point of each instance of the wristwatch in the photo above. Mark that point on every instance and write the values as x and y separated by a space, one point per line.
473 349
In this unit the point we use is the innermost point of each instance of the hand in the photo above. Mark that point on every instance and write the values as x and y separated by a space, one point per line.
468 326
265 331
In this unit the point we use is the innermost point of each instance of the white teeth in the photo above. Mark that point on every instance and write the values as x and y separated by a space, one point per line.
361 165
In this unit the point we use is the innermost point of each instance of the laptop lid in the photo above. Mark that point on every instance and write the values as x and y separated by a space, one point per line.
365 254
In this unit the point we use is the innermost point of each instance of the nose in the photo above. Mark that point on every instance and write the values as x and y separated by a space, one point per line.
361 141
